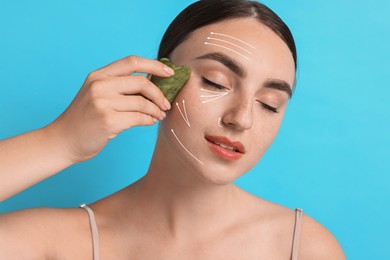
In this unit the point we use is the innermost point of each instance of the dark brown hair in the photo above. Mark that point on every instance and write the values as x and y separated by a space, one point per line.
205 12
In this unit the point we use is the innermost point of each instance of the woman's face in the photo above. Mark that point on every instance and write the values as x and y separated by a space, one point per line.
231 108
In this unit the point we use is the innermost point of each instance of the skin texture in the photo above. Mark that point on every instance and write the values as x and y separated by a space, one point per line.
241 112
182 209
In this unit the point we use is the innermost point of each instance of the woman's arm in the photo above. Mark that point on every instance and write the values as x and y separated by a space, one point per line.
30 158
317 242
44 233
110 101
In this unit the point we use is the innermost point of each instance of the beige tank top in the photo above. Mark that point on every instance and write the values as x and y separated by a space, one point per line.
95 233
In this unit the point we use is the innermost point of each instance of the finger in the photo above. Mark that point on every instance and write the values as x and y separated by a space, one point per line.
138 85
132 64
137 104
127 120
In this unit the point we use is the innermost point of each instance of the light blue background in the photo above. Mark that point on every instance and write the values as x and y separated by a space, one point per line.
331 157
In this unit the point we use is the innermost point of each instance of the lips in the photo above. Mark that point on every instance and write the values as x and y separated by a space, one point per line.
225 148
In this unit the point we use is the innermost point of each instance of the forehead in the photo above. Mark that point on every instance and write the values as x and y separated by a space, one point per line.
252 44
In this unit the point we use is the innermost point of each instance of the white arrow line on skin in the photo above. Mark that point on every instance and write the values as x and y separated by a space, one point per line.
213 99
217 92
216 39
208 43
185 112
173 132
221 34
219 122
211 96
185 117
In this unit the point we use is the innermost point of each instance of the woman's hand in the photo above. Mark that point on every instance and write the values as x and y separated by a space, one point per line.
110 101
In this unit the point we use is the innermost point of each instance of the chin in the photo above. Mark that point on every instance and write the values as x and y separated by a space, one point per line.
216 181
222 177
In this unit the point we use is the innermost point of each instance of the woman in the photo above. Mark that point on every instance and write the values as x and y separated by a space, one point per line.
243 63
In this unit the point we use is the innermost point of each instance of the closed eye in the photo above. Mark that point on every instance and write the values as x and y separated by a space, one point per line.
213 84
269 108
220 87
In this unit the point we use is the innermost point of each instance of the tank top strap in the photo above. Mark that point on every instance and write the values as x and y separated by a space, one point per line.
297 233
94 231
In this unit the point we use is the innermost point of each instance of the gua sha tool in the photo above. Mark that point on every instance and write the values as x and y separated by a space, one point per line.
172 85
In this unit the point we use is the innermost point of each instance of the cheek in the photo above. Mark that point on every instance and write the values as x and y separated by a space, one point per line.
201 99
187 109
265 128
264 134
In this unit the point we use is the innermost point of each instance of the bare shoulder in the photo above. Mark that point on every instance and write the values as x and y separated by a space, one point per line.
41 233
317 242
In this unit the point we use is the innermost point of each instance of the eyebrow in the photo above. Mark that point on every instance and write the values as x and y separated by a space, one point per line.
238 70
279 85
225 60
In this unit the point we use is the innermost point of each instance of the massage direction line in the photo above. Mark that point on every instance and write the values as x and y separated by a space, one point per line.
219 122
216 39
211 96
228 36
218 92
185 116
213 99
208 43
173 132
185 113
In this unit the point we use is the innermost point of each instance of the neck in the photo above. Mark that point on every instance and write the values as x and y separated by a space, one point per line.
184 205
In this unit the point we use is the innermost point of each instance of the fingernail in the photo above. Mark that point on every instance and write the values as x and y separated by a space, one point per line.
155 120
163 114
167 104
169 70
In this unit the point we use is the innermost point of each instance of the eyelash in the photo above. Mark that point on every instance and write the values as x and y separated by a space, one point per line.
220 87
213 84
269 108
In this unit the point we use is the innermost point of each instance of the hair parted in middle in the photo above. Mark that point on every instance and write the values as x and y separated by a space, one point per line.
206 12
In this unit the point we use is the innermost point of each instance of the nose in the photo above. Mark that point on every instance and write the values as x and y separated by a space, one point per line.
239 115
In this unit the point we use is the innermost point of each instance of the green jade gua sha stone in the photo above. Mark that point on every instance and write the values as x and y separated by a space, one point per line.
172 85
